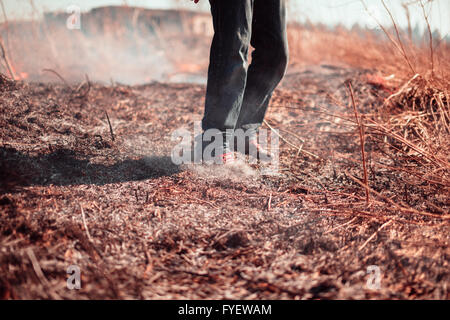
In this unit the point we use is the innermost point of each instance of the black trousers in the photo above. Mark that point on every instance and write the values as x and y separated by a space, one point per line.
238 95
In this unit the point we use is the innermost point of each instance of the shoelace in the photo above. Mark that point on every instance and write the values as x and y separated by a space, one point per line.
228 157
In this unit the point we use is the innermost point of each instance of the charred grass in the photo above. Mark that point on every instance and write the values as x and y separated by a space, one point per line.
82 188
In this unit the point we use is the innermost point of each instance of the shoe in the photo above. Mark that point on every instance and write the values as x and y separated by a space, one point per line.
228 158
220 155
254 149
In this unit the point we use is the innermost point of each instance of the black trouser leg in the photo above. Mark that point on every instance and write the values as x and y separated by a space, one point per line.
227 74
238 96
269 61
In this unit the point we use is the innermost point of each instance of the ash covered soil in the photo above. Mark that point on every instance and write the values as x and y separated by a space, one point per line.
141 227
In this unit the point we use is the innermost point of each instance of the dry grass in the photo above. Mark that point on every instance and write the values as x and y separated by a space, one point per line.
140 227
415 116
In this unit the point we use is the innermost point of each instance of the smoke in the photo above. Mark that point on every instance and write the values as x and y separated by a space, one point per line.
156 157
113 60
239 171
112 44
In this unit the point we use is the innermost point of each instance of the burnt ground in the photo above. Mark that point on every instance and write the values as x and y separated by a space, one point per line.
160 231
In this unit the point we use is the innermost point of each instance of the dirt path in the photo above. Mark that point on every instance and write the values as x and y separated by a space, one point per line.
139 226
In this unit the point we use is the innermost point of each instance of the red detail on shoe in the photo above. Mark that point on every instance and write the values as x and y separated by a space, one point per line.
228 157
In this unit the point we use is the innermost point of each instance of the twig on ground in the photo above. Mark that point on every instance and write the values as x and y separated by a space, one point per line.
36 266
402 89
88 82
361 137
341 226
85 225
110 127
300 149
400 208
7 63
58 75
429 156
376 232
38 270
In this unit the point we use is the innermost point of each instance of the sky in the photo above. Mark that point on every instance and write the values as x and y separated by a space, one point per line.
330 12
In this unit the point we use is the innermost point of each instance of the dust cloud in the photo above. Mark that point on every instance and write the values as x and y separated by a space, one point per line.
109 44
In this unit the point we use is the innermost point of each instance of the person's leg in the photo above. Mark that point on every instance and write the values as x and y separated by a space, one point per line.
227 74
227 77
269 61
